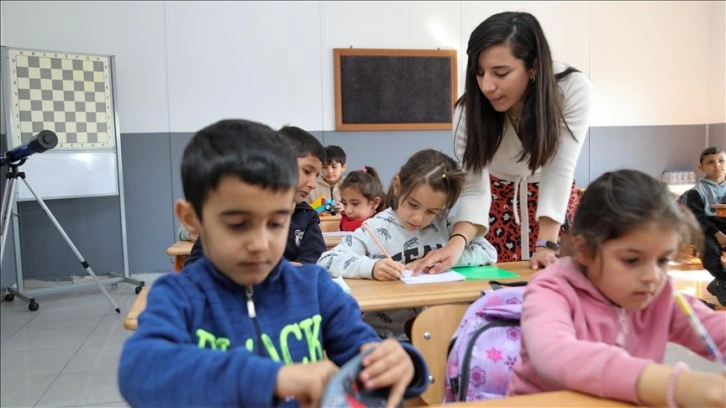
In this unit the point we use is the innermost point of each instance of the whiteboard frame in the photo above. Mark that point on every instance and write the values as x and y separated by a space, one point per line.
7 111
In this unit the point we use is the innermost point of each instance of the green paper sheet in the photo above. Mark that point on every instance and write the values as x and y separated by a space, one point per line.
484 272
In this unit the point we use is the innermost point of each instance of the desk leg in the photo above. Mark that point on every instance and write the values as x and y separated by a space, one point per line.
179 262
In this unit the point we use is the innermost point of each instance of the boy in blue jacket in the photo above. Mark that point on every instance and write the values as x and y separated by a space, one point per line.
305 241
242 326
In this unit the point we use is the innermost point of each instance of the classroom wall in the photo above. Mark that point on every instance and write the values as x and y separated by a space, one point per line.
657 69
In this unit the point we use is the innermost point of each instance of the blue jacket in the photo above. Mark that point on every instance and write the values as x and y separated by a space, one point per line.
196 344
305 241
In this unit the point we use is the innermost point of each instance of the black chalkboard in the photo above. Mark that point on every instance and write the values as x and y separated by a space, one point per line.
394 89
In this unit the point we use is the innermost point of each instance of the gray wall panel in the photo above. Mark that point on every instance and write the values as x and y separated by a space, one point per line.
651 149
717 135
178 142
149 206
387 151
152 184
7 266
94 226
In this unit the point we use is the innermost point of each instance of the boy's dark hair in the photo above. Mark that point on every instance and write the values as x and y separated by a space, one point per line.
428 167
367 183
303 143
334 154
619 202
250 151
709 151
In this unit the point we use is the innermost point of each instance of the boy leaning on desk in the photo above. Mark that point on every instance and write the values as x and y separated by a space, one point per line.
242 326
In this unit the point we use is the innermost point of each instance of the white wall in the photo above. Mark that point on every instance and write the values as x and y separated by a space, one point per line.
649 62
130 30
717 63
183 65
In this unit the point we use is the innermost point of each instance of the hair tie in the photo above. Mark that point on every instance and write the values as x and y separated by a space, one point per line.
364 170
443 175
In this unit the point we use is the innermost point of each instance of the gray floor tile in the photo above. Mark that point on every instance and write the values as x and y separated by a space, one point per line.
47 339
82 388
35 362
109 331
12 321
52 319
24 391
92 358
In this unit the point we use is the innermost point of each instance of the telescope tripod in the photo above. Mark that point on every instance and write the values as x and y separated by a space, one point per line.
7 206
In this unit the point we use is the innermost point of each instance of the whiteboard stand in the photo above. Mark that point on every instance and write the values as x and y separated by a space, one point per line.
7 205
72 94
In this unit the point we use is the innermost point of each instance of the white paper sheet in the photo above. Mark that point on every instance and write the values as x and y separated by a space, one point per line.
446 276
339 280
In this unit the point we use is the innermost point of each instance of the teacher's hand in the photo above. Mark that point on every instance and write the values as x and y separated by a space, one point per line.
440 259
542 257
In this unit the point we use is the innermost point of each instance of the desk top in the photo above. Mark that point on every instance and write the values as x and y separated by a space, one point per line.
184 248
180 248
375 296
544 399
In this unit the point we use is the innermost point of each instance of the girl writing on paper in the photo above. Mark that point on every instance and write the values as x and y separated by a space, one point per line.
414 223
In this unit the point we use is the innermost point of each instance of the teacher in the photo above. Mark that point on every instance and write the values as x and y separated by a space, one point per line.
518 130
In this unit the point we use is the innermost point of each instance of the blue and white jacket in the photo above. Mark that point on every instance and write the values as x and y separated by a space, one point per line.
198 343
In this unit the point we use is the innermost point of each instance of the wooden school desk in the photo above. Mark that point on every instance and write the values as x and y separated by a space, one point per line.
544 399
373 295
180 251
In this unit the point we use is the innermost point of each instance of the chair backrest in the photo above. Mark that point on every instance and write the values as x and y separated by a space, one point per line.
430 335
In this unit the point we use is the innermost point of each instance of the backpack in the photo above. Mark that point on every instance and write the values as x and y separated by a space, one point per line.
485 346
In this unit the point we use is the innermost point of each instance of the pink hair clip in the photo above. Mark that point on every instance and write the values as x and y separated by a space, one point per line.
364 170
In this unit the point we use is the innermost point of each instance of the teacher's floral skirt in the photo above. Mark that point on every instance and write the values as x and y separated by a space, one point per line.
504 233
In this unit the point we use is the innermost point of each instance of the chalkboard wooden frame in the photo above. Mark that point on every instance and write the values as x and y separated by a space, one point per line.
444 101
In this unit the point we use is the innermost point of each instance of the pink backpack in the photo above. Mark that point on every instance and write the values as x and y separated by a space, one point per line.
485 346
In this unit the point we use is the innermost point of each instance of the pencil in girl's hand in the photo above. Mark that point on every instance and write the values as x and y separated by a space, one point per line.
698 326
368 230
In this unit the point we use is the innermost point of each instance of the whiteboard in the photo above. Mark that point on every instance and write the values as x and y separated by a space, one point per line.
73 95
69 174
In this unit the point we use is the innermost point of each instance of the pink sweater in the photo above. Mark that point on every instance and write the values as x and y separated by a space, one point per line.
574 338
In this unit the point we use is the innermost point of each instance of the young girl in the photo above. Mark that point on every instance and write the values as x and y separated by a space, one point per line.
414 223
598 322
362 197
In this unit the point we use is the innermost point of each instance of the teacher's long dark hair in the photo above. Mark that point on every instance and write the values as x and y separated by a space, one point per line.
542 117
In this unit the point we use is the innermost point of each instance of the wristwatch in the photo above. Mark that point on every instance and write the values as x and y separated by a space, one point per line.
548 244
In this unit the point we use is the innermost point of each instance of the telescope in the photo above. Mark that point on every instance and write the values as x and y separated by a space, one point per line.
45 140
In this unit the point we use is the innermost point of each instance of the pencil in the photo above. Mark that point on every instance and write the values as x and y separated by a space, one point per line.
377 242
698 326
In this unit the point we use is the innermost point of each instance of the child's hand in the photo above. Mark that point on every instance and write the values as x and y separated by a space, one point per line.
387 365
700 389
338 207
305 382
387 269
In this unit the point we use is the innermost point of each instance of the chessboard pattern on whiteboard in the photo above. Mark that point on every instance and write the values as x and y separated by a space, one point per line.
70 94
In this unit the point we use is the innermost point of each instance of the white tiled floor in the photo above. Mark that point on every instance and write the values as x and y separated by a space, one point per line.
66 353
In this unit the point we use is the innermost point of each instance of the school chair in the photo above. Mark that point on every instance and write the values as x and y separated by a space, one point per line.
430 335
